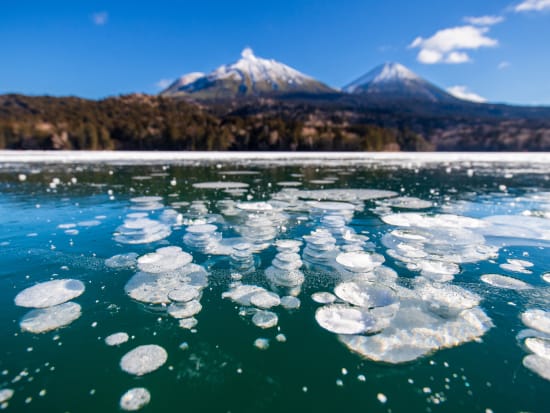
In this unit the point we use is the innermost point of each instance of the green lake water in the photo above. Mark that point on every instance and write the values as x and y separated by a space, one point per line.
64 222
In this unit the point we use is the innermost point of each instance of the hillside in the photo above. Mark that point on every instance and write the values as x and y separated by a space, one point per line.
291 122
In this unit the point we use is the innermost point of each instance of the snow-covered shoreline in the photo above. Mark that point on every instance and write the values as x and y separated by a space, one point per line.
31 156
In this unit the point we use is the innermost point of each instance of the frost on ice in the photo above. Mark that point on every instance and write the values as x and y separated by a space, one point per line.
134 399
49 293
143 359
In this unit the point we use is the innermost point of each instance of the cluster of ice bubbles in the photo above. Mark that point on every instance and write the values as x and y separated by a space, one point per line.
383 321
52 306
332 234
168 277
435 245
139 228
537 341
259 223
284 274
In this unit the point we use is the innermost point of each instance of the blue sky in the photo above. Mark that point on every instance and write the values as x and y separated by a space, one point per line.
101 48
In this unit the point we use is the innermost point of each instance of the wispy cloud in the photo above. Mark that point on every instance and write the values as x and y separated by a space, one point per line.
532 5
164 83
462 92
449 45
503 65
100 18
484 20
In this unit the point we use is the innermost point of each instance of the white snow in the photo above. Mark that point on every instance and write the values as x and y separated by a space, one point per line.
386 73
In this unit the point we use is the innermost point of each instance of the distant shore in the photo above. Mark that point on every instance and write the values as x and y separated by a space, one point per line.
31 156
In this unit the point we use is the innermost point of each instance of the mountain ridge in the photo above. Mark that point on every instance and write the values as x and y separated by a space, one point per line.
249 76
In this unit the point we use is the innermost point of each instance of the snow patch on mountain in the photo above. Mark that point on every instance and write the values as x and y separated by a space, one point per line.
386 73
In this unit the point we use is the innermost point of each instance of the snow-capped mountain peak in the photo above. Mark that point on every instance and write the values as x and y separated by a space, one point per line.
395 81
386 73
250 75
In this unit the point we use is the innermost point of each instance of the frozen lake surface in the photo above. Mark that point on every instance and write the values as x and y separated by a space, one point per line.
247 282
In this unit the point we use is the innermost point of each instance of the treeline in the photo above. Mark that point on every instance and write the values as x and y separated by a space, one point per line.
143 122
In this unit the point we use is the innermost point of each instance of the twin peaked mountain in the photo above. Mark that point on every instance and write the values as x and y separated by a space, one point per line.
254 76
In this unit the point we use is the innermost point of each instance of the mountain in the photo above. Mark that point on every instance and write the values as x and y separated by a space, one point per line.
249 76
393 81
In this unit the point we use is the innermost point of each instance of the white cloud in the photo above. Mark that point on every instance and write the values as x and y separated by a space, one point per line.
503 65
448 45
484 20
457 57
462 92
100 18
164 83
532 5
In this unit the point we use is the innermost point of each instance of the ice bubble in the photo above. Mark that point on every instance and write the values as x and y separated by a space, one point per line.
414 333
128 260
520 263
365 295
242 294
407 202
501 281
265 299
329 207
538 346
51 318
289 302
184 294
49 293
343 319
323 297
284 278
281 338
538 365
143 359
141 230
220 185
254 206
444 299
154 288
287 245
5 395
265 319
164 259
514 268
537 319
261 343
347 195
134 399
116 339
435 270
436 221
184 310
289 183
188 323
201 229
359 261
